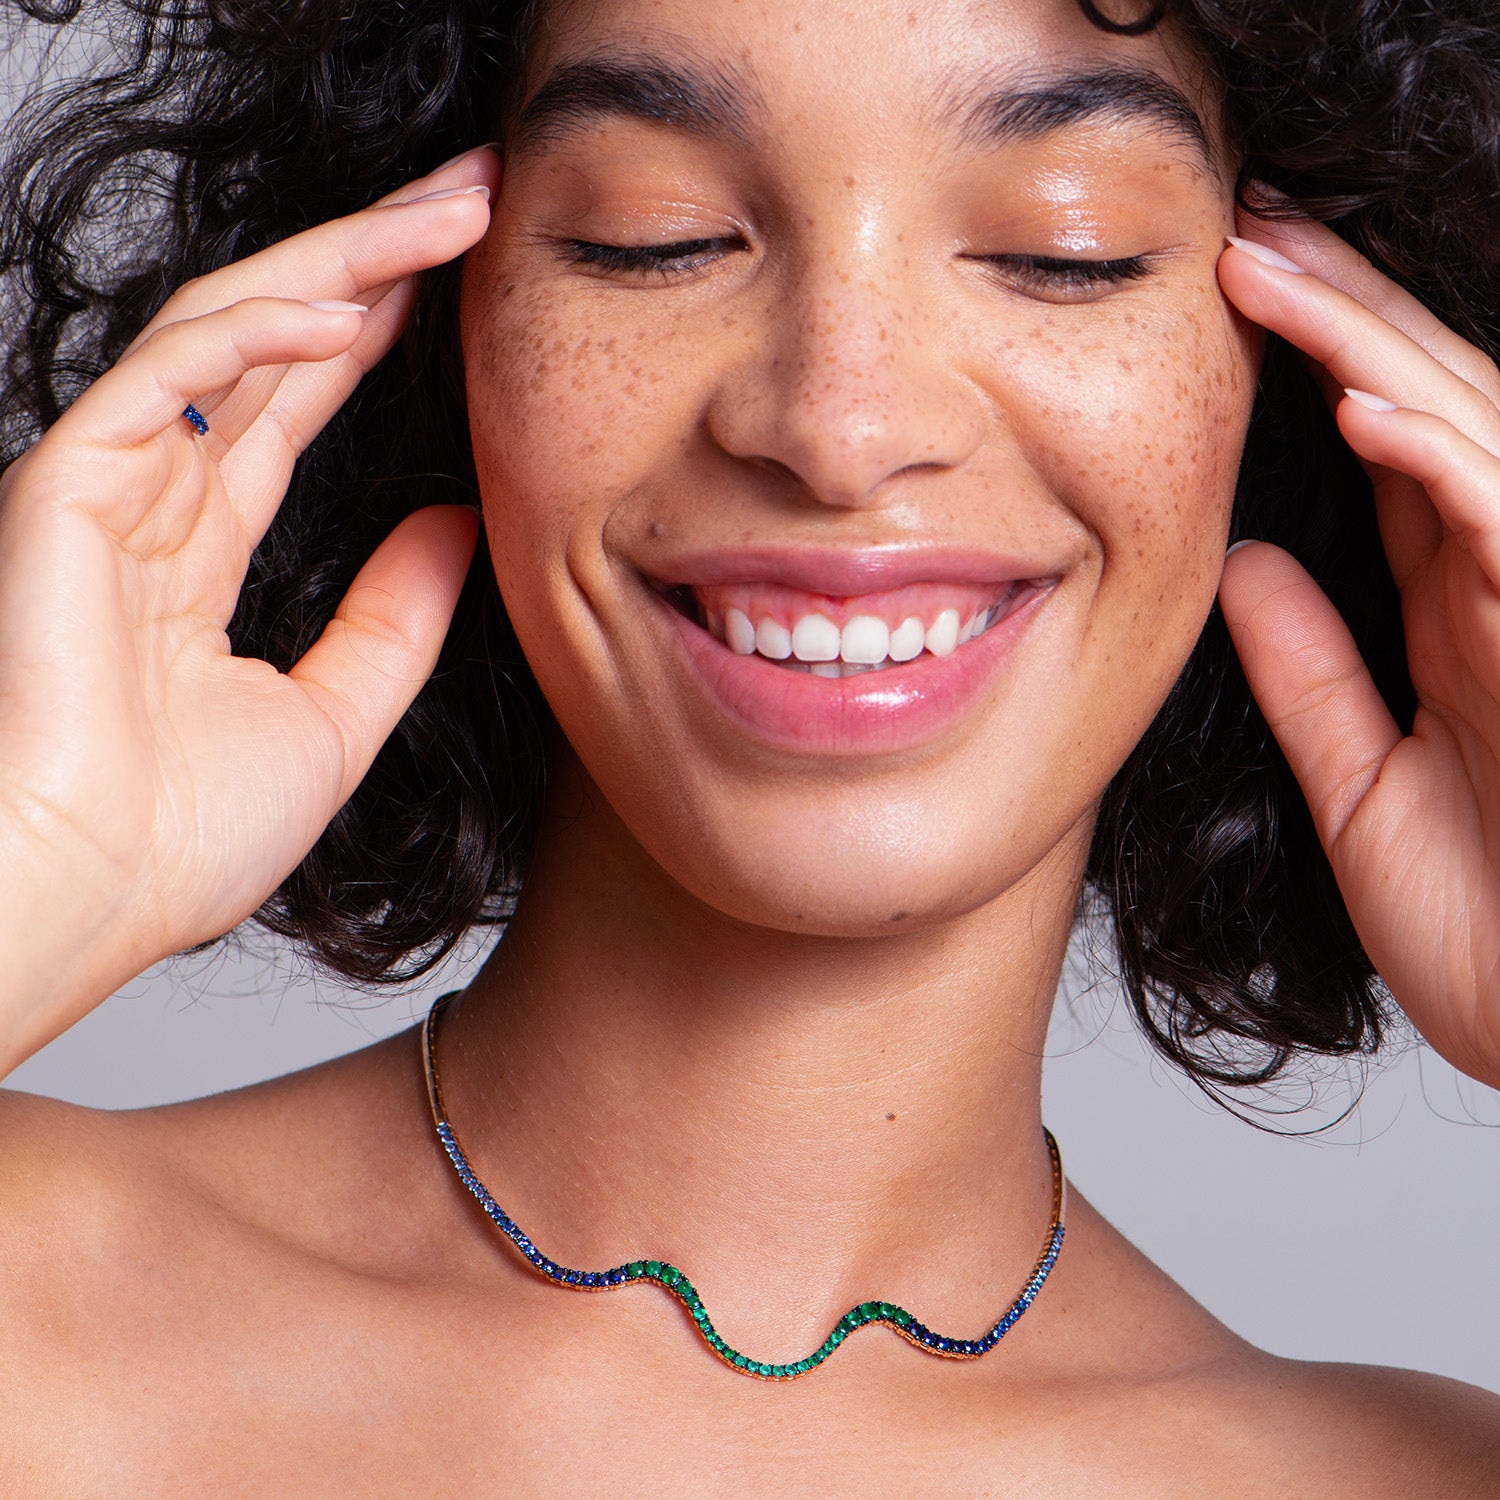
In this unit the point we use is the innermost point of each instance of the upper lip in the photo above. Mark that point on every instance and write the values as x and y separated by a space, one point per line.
841 573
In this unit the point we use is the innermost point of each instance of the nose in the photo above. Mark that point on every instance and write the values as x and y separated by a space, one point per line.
851 387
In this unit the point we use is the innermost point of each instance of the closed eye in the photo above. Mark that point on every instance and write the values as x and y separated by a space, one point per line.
664 260
1055 278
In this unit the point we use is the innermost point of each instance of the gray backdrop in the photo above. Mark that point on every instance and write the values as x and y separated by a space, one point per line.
1376 1241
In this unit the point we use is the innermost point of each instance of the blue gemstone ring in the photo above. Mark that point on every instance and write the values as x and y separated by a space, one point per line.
196 418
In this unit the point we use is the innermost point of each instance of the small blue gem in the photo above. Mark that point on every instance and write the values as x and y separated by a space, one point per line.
570 1276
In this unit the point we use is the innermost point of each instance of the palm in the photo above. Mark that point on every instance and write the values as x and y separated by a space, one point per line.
145 771
1411 822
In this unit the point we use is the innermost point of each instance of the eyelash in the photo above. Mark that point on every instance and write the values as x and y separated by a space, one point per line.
1052 273
1034 272
665 260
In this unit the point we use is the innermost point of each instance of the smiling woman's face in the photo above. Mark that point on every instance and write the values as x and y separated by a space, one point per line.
827 329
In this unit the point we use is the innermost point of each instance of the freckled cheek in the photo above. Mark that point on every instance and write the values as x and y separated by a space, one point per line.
1139 434
570 412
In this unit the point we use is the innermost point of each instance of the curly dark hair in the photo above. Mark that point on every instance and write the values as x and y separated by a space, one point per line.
222 126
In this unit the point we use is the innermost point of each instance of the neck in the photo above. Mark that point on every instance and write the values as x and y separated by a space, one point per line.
800 1123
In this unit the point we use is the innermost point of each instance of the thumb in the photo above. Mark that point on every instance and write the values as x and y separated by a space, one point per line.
1310 682
383 642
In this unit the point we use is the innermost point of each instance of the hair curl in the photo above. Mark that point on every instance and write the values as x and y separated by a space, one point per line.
226 125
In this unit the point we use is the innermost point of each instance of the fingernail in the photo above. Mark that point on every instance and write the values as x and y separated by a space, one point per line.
453 161
323 305
1369 399
1266 255
1244 542
446 193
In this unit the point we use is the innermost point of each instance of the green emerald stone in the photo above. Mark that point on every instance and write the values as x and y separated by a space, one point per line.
803 1366
671 1275
740 1360
886 1310
636 1268
653 1269
903 1318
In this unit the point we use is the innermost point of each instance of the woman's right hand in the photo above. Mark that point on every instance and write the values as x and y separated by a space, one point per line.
154 788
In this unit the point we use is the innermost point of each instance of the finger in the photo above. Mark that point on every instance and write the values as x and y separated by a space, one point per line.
1328 256
1356 346
383 642
146 392
294 408
1307 676
345 259
1461 478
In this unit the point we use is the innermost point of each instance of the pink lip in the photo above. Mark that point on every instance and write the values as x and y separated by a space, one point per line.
841 573
894 709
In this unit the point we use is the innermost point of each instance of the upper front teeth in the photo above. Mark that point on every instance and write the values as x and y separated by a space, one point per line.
865 641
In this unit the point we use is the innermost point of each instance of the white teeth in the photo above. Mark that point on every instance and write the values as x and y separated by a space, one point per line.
773 640
815 638
816 644
865 641
739 632
942 637
908 639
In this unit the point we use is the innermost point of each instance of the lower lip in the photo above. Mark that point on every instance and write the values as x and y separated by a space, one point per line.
893 709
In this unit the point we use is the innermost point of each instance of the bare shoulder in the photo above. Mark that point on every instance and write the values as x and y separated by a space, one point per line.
101 1189
159 1239
1191 1403
1295 1428
1371 1431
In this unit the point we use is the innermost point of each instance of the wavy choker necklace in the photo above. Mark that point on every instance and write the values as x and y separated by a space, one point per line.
667 1276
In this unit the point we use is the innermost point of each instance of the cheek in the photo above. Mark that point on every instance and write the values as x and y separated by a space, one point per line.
566 406
1139 432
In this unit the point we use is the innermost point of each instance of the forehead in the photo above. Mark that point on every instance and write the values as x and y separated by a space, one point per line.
974 72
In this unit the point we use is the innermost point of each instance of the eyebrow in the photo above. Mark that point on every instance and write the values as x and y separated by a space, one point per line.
707 102
1032 110
719 103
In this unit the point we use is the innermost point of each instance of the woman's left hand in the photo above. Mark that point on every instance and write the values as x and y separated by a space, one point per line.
1411 822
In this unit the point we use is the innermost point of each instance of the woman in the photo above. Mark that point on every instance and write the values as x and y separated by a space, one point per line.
790 327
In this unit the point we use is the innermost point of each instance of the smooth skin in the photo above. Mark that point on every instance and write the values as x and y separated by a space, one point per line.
802 1058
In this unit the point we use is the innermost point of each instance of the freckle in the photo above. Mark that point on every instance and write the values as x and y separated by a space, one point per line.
890 1117
848 182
